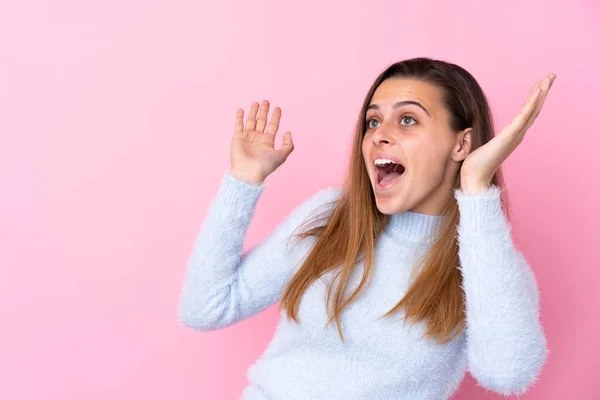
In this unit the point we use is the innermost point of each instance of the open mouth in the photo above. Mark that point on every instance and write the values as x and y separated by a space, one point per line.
388 172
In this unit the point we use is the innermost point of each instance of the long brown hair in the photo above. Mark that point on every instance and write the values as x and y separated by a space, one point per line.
348 232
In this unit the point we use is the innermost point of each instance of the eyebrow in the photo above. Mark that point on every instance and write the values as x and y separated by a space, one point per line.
400 104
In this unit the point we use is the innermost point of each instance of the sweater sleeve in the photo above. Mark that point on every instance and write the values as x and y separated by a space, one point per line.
221 285
506 346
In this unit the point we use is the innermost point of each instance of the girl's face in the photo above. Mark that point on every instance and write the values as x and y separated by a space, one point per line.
407 123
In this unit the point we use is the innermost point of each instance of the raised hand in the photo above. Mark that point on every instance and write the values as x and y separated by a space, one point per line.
479 167
253 153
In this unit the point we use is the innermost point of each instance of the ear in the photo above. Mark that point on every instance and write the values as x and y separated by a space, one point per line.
462 145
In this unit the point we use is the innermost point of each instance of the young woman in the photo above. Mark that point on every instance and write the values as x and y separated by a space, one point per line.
418 232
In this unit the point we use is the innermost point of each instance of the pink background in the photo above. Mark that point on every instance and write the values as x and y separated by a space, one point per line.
115 122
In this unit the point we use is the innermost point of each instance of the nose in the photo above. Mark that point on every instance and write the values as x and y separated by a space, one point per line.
383 135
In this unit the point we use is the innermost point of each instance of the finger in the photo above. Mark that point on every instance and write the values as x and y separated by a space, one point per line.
546 85
519 121
251 120
262 116
239 121
287 146
274 123
538 104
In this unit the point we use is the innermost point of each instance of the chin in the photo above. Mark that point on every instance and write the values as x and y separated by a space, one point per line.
391 211
387 205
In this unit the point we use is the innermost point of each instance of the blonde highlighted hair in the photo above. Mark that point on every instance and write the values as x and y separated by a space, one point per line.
347 234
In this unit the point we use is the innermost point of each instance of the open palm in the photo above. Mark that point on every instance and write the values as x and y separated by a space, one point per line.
253 153
480 165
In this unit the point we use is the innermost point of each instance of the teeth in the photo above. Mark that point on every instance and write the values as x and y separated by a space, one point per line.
383 161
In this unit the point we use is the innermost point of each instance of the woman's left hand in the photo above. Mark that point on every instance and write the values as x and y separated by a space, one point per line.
479 167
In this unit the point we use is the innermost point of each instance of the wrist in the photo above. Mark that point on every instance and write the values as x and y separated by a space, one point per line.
248 177
473 187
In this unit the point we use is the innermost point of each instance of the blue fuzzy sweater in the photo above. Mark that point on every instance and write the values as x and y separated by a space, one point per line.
503 345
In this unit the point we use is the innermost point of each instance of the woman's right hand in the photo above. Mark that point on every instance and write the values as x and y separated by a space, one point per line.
253 154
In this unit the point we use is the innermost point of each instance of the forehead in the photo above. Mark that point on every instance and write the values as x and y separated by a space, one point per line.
393 90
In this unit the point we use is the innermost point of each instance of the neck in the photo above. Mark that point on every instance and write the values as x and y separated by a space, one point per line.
412 225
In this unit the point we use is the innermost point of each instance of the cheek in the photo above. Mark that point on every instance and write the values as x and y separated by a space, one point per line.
429 158
366 148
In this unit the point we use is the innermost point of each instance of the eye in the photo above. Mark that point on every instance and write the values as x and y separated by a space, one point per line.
369 126
404 120
406 117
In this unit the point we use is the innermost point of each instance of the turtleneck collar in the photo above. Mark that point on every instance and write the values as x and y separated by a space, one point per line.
412 225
